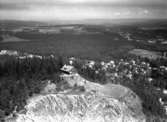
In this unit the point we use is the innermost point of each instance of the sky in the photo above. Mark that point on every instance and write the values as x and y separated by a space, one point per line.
48 10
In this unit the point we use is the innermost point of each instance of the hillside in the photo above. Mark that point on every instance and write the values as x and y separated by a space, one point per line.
97 103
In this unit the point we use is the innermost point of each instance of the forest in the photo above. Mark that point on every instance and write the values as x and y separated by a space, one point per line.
20 79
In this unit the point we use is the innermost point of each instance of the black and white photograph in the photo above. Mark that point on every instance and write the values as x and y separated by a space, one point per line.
83 60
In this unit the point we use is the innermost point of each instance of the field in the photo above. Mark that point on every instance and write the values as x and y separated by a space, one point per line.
96 46
99 42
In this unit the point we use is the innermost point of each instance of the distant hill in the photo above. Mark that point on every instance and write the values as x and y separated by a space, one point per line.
9 24
145 22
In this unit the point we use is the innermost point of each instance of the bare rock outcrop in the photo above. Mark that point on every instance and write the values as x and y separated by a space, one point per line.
87 107
97 103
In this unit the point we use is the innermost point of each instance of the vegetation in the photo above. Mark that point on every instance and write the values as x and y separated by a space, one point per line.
87 46
91 74
1 38
21 78
139 83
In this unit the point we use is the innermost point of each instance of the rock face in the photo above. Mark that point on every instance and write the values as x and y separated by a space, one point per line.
118 92
97 103
87 107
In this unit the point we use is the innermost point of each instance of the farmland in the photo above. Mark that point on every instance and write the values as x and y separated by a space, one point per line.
93 42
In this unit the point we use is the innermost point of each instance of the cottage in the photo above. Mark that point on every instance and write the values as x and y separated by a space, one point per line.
68 69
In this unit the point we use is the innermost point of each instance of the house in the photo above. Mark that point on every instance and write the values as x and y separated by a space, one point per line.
68 69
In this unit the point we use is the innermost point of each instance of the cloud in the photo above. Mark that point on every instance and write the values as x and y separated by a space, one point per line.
146 12
117 13
26 4
88 2
13 6
81 9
